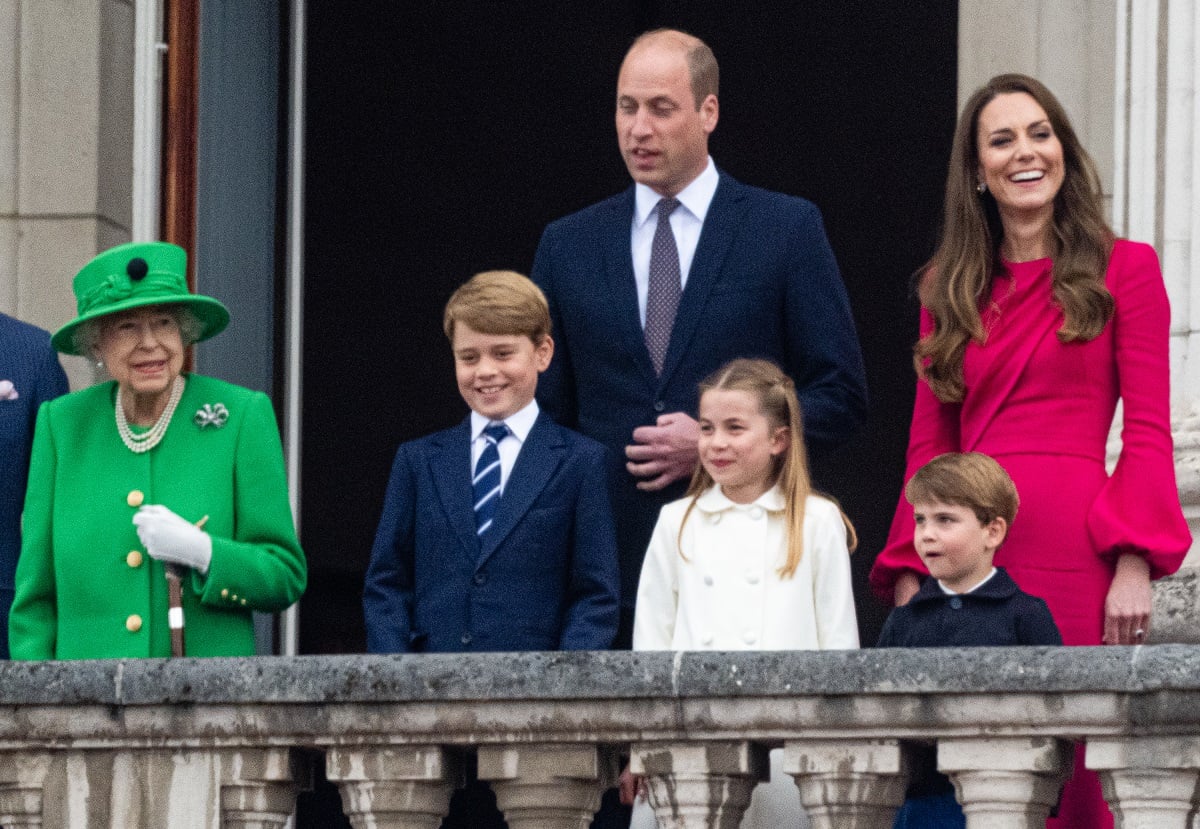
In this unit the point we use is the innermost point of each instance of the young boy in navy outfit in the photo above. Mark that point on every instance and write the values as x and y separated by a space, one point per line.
963 505
496 534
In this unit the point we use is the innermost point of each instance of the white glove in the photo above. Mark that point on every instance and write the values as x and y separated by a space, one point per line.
172 539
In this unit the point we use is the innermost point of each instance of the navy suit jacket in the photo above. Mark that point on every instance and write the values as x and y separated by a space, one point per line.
27 360
544 576
763 283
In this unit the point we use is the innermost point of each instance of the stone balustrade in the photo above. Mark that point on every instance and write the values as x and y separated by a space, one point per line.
229 742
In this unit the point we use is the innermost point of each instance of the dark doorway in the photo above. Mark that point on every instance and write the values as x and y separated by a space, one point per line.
442 137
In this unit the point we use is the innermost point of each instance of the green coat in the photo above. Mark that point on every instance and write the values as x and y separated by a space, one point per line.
85 587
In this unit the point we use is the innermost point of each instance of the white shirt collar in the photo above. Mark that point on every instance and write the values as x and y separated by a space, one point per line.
519 424
714 500
696 197
950 592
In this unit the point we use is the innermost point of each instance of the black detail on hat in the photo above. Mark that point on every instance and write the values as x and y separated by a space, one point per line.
137 269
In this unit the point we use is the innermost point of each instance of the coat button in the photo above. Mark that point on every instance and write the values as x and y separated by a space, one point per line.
479 578
134 559
750 637
756 513
956 603
715 518
225 593
707 639
134 623
659 406
466 639
708 579
752 577
135 498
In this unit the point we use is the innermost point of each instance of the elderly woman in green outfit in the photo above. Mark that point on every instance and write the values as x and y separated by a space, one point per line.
155 469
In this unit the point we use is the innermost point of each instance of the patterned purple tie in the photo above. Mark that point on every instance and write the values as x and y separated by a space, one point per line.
662 296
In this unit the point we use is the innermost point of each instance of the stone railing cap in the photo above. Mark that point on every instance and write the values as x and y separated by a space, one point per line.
600 675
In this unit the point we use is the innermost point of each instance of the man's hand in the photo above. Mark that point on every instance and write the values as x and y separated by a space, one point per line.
663 453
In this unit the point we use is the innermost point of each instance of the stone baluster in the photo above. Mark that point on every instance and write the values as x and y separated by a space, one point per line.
699 784
848 784
393 787
1149 782
1006 782
260 792
547 786
22 776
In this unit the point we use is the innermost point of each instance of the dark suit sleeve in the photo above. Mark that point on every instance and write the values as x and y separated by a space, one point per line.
590 622
1035 625
823 351
51 379
556 389
388 591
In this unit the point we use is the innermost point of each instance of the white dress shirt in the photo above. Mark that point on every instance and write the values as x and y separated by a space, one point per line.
518 425
686 223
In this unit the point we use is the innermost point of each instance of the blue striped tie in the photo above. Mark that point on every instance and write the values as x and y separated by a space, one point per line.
486 482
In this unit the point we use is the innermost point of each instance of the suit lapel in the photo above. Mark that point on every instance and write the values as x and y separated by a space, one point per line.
720 226
622 288
536 463
450 468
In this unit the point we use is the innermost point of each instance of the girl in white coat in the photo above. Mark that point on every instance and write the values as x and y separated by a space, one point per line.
751 558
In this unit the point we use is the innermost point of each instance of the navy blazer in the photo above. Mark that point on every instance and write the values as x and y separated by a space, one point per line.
998 613
763 283
544 576
28 361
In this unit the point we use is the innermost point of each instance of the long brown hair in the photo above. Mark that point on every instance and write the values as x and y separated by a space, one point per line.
956 281
776 396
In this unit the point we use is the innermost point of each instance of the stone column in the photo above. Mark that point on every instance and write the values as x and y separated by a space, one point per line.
66 129
547 786
22 776
1149 782
1156 200
260 792
699 785
848 783
393 787
1006 782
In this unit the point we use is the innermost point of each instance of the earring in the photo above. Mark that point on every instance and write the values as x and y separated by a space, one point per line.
981 187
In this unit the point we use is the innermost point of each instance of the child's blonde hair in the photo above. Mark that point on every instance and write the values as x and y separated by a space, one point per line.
776 396
966 479
499 302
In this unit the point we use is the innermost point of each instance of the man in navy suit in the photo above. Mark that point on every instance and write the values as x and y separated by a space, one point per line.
752 275
30 374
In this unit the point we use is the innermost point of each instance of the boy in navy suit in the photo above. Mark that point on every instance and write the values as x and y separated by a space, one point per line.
963 504
513 554
497 534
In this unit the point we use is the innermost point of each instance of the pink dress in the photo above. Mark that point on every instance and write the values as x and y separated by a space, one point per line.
1042 409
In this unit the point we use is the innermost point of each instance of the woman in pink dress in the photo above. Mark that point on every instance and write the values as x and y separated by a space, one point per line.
1034 321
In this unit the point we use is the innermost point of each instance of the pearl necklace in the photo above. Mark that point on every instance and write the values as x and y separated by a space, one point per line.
148 440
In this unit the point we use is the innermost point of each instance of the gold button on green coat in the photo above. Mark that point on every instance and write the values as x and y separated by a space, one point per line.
134 559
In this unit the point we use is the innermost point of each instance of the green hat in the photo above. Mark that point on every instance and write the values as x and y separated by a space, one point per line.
133 276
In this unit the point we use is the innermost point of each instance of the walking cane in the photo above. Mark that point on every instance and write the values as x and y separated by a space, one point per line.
174 574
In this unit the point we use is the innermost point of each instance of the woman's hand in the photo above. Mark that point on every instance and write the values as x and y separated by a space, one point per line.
172 539
1127 608
907 585
630 786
